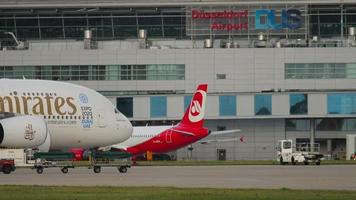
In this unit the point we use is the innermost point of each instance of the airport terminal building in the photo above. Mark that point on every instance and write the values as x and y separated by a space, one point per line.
275 69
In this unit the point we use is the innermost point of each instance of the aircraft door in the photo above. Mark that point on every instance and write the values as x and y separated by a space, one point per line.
169 136
101 118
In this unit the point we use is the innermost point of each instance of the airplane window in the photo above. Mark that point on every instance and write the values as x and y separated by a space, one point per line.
33 94
41 93
57 117
75 117
24 94
29 94
38 94
44 117
71 117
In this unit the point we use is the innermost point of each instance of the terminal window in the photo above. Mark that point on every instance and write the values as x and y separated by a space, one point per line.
187 100
320 70
298 104
263 104
125 105
341 103
227 105
96 72
158 106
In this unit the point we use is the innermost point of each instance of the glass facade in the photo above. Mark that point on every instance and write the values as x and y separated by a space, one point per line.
227 105
341 103
297 125
298 104
326 124
336 124
125 105
329 20
111 24
96 72
158 106
324 21
263 104
320 70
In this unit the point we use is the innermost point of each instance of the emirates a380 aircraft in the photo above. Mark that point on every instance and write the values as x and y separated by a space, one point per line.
56 115
161 139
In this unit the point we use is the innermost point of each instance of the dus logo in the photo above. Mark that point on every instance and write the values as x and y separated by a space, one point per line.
290 18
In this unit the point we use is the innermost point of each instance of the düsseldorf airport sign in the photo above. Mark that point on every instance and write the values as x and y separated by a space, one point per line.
232 20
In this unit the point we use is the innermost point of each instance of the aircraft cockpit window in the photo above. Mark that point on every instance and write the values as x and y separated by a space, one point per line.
117 111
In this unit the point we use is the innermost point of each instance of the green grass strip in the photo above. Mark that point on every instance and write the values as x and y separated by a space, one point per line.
160 193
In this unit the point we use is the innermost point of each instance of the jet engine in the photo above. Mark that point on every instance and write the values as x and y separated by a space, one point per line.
22 132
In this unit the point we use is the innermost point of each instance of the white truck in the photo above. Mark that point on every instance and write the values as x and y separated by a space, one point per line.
301 153
20 156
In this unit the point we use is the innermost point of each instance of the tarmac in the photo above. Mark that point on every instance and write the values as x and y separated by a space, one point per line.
325 177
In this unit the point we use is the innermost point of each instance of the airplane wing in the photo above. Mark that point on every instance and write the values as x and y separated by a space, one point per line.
242 139
219 140
218 133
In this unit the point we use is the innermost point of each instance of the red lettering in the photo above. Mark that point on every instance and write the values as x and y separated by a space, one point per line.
195 14
245 26
229 27
244 14
198 14
214 26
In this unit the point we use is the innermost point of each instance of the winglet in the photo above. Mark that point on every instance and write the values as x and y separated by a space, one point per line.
194 115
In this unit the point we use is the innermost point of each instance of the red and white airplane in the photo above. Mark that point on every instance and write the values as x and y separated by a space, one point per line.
161 139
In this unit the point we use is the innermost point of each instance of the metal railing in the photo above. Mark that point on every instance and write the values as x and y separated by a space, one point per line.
307 147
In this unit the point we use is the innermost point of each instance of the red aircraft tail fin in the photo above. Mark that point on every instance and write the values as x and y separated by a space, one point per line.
194 115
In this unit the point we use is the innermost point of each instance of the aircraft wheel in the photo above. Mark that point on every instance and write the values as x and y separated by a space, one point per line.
306 163
6 169
39 170
293 161
123 169
317 162
97 169
281 161
64 170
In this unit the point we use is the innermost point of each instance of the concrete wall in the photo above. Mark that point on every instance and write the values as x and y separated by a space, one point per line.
246 69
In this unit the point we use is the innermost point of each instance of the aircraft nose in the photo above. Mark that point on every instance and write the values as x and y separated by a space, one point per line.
125 128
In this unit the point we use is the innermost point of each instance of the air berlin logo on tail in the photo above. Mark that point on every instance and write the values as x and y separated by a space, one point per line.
197 106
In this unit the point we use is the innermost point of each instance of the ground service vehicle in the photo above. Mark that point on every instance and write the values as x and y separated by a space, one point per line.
301 153
7 166
99 159
63 160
